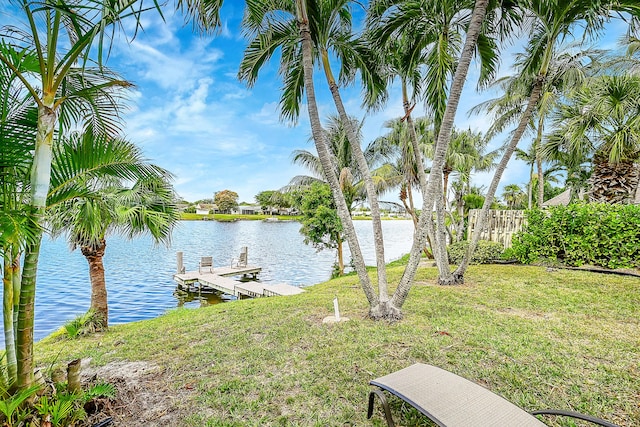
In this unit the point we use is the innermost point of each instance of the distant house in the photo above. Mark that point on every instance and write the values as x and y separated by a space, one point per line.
247 210
204 209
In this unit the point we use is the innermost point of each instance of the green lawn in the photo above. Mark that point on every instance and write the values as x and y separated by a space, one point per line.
560 339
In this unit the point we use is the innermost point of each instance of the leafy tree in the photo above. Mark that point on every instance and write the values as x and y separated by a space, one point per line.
273 199
321 225
226 200
265 199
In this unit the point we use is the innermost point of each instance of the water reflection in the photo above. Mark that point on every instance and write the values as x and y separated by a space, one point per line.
139 275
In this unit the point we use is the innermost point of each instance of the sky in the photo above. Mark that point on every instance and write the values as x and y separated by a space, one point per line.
191 115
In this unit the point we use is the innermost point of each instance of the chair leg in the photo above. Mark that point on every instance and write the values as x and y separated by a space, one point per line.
385 406
576 415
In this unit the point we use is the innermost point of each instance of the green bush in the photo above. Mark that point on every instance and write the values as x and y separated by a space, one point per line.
597 234
486 252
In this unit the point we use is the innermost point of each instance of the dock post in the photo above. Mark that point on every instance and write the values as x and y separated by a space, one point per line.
180 263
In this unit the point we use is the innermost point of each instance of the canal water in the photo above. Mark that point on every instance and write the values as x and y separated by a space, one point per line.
139 274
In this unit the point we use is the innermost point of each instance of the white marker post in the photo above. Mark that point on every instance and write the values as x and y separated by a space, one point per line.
336 309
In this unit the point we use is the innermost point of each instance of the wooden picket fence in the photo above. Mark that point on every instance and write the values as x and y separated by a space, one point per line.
501 225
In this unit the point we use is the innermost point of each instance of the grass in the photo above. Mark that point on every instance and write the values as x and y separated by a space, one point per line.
542 339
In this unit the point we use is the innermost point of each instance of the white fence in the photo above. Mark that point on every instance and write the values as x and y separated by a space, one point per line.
501 225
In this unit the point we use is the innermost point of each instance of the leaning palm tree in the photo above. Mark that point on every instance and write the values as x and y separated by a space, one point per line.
567 70
602 121
60 36
552 20
90 199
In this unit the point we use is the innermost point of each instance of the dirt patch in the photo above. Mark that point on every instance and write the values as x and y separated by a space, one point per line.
144 396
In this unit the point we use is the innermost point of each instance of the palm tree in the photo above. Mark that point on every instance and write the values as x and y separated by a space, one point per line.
552 20
400 169
513 196
89 200
475 41
601 121
59 36
567 71
18 118
351 184
330 25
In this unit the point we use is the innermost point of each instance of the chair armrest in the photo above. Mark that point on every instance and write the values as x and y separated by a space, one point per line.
576 415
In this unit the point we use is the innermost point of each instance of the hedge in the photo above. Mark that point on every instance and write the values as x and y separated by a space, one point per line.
595 234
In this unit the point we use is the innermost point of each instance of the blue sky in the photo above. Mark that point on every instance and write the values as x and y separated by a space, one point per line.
191 115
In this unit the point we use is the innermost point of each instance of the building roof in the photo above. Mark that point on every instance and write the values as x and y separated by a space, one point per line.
564 197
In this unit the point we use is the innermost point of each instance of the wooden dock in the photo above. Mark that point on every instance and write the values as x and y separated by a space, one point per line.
221 280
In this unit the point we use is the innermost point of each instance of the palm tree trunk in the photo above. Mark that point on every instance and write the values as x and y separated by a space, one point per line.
538 154
444 136
614 183
26 313
99 302
340 258
530 188
422 176
40 178
378 238
484 213
325 156
7 313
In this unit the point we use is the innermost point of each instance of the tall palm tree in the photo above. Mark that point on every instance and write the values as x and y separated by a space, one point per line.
60 36
90 199
602 121
551 21
330 32
435 34
18 118
567 71
293 26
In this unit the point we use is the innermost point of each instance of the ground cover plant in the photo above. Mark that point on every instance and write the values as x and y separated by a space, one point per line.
539 337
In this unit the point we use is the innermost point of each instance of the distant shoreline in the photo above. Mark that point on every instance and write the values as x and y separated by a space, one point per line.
260 217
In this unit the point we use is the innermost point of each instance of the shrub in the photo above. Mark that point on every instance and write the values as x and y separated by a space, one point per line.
486 252
598 234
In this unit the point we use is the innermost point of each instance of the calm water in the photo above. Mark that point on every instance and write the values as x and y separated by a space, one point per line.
139 274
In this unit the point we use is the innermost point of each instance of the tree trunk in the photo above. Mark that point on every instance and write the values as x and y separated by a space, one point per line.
378 238
340 258
444 137
539 164
484 213
422 177
614 183
328 164
40 178
24 336
99 302
8 313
